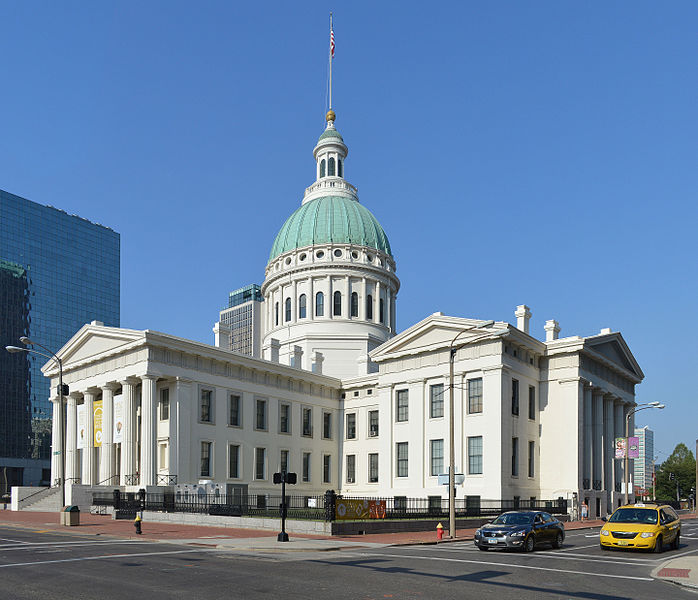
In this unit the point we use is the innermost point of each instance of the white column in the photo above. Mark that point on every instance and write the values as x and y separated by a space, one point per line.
362 300
347 294
608 449
128 446
311 298
294 302
148 435
56 449
588 444
88 449
377 305
393 320
71 440
329 302
106 459
597 465
388 315
180 446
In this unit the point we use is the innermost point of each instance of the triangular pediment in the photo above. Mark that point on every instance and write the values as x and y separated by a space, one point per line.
93 341
613 348
431 334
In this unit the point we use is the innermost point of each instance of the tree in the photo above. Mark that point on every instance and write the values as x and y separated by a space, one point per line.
682 464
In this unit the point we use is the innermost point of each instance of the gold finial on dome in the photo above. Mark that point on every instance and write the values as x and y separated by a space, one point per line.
330 116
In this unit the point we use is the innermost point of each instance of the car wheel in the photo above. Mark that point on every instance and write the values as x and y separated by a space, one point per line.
530 543
558 541
604 548
658 545
677 541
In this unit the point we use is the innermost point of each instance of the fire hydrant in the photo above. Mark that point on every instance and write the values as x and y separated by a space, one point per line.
439 531
137 524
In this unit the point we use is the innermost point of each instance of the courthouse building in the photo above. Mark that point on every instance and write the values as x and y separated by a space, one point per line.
342 398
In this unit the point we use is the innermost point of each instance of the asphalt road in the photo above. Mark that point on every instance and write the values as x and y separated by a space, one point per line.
49 565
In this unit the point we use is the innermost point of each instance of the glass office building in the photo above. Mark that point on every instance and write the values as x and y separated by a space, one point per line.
243 321
57 272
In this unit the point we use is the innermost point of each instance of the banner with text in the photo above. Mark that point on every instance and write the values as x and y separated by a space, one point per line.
360 509
633 447
81 426
97 422
118 419
620 447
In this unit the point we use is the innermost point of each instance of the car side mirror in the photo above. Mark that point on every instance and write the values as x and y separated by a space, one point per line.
604 519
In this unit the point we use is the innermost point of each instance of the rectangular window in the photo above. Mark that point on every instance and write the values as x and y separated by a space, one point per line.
283 461
373 468
515 397
531 403
474 396
475 455
234 461
351 468
373 423
205 459
261 414
351 426
165 404
163 456
437 457
260 463
436 400
326 468
402 459
402 411
234 412
308 422
327 426
206 406
306 466
531 459
285 418
515 457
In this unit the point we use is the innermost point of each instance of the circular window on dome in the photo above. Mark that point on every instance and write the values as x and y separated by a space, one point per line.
338 253
355 255
288 260
320 254
369 258
302 256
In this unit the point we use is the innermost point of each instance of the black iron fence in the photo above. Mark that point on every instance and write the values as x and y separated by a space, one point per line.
317 508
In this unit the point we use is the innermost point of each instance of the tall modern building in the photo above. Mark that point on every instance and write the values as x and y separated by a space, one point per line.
239 327
644 466
57 272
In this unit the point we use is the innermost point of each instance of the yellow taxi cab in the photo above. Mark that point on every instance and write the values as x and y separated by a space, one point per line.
644 526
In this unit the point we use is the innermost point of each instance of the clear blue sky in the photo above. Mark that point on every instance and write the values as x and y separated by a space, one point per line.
515 152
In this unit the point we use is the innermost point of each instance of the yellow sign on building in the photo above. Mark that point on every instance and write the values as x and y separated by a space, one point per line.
98 422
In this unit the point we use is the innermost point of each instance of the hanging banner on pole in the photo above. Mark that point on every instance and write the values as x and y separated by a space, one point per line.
118 434
633 447
620 447
81 426
97 422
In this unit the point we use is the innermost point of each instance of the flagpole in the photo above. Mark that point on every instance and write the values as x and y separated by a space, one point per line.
330 62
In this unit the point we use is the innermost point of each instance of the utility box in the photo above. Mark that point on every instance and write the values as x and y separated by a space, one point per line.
70 515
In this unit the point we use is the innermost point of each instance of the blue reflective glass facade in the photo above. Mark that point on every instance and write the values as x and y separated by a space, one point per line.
57 272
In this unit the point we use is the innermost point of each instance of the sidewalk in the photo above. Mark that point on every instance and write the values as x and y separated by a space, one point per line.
227 537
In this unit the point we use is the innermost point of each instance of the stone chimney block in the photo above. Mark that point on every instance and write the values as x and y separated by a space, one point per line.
552 330
317 359
296 357
523 316
221 334
606 331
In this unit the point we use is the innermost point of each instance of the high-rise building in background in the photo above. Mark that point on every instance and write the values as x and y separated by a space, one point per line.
57 272
239 327
644 466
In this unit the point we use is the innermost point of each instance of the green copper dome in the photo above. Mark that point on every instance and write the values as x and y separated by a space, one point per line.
330 220
331 133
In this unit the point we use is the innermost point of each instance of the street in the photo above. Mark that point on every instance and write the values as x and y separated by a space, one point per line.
50 565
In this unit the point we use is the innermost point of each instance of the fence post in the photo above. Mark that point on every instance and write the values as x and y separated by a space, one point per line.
330 505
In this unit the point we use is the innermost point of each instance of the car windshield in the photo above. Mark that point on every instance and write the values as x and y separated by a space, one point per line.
513 519
635 515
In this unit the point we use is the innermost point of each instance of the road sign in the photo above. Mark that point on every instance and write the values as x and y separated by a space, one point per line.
459 478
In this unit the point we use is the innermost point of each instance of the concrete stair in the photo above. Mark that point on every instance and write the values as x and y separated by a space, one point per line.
48 500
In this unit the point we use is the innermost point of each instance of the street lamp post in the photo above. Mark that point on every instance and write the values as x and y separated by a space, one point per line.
638 408
61 416
451 415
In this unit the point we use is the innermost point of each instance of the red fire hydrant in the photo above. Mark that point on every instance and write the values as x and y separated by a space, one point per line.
439 531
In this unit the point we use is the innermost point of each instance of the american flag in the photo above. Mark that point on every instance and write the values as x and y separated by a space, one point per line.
332 43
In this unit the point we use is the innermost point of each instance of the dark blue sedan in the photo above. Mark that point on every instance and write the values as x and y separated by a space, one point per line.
521 529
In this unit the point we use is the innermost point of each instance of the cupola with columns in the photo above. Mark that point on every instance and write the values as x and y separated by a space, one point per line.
330 284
